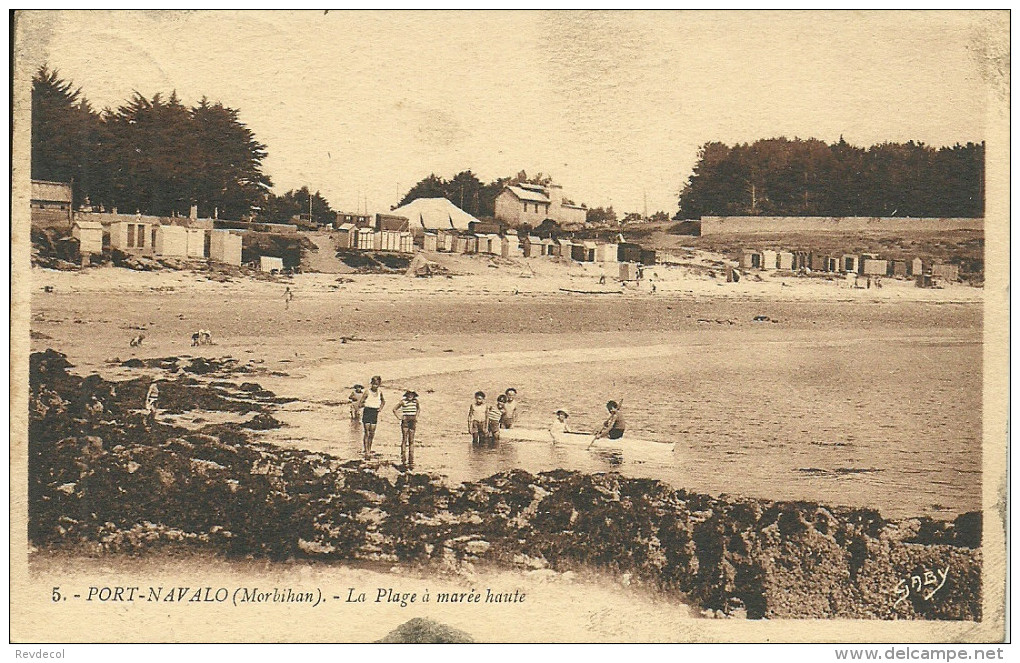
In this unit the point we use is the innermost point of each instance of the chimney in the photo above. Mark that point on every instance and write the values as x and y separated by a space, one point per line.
555 193
194 212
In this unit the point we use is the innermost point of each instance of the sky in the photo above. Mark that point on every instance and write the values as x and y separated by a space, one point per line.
612 105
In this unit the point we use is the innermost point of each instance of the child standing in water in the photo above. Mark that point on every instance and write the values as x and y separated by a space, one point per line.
477 419
560 425
354 399
406 412
495 416
371 402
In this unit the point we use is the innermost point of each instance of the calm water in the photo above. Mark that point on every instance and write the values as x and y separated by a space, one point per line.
893 424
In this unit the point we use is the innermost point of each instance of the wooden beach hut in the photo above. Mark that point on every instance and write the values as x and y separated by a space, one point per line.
225 247
769 259
89 235
346 236
784 260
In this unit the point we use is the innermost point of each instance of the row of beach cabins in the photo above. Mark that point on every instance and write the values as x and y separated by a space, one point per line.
154 236
866 264
507 245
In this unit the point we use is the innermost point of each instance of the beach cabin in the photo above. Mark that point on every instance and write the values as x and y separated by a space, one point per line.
458 244
548 246
820 263
172 241
750 259
628 271
270 263
627 252
532 246
89 235
874 267
471 244
785 260
444 240
346 236
377 241
648 257
196 243
942 270
577 253
366 239
406 244
769 259
133 237
225 247
916 267
590 249
430 243
510 247
389 240
606 252
563 248
898 268
848 263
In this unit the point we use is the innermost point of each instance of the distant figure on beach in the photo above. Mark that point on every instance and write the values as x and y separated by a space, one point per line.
151 403
354 400
137 340
560 425
477 418
201 337
406 412
602 276
652 283
288 296
371 402
614 426
495 417
510 409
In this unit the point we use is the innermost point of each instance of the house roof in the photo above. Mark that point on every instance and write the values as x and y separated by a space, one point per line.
347 226
51 191
435 214
89 225
528 194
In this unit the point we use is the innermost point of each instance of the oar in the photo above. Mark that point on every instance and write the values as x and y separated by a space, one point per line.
594 438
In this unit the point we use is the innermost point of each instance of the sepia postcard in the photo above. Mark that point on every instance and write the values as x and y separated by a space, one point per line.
509 327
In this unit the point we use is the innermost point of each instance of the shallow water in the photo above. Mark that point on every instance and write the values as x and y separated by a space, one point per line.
892 423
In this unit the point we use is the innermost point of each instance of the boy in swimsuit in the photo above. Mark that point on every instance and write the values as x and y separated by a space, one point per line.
560 425
510 415
477 419
495 417
371 402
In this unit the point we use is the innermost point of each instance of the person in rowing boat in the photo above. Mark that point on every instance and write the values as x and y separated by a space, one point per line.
614 426
560 425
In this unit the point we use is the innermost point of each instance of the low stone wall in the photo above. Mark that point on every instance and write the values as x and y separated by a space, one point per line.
732 225
103 480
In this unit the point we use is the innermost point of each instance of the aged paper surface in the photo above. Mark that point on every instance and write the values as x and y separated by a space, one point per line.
837 397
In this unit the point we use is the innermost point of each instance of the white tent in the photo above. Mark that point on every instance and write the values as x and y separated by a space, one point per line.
435 214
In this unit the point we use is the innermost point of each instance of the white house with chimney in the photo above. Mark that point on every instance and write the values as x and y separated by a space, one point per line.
534 203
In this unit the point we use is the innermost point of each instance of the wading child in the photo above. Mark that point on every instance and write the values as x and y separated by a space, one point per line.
510 415
406 412
495 416
477 418
560 425
355 401
371 402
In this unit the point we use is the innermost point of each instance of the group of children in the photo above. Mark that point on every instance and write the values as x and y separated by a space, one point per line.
365 406
485 421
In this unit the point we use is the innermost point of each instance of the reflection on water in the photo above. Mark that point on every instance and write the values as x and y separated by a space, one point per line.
890 425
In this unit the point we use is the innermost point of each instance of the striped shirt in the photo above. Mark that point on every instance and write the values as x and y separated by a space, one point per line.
495 414
409 408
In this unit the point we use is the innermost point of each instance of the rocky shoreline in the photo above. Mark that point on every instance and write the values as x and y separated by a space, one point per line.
103 480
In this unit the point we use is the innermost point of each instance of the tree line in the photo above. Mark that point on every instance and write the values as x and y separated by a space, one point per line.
782 177
156 156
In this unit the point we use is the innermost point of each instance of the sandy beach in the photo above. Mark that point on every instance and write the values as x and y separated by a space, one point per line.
842 396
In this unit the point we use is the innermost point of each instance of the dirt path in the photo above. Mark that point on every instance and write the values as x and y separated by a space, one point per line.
324 260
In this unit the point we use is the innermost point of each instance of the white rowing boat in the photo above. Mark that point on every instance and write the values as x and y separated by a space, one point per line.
625 443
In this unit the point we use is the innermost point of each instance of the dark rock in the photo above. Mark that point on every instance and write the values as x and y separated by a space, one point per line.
425 631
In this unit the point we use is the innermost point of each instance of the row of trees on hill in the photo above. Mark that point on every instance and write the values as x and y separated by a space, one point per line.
468 192
157 156
154 155
797 177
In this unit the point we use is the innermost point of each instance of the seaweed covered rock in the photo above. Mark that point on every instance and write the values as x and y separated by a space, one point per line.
102 478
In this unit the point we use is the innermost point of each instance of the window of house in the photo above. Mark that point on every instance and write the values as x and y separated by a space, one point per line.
131 235
153 238
141 236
